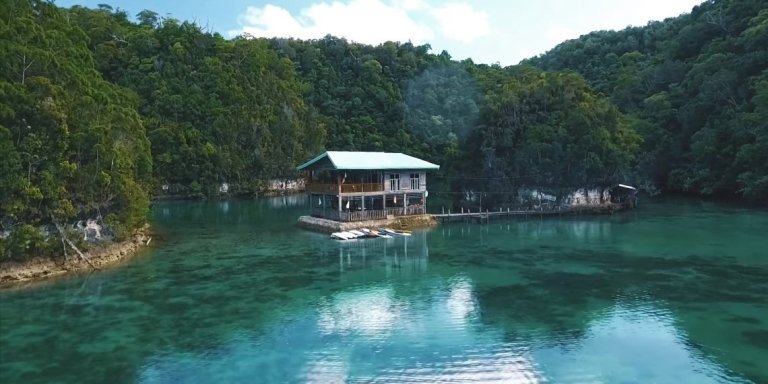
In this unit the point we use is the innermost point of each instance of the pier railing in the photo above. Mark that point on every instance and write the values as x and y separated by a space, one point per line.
600 208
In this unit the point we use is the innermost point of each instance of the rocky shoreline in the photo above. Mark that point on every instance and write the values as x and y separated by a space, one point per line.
14 273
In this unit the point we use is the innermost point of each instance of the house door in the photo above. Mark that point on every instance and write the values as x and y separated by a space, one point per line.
394 181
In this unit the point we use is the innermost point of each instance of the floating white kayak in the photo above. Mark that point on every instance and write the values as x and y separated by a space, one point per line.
356 233
343 236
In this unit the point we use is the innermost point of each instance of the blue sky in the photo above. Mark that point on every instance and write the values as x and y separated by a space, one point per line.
488 31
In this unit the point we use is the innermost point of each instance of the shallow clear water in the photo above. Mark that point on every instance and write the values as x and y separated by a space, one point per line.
673 292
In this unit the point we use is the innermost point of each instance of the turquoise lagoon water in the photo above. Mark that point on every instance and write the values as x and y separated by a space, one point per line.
673 292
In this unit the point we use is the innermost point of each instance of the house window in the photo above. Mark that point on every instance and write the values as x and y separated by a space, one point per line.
415 183
394 181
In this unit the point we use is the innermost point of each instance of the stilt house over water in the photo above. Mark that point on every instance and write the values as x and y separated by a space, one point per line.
355 186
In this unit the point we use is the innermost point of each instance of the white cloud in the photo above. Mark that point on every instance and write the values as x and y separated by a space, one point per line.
363 21
411 5
461 22
368 21
276 20
486 31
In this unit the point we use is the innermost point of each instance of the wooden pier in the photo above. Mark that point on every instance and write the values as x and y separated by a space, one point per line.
487 215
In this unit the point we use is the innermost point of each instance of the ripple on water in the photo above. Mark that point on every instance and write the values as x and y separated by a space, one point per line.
241 295
500 364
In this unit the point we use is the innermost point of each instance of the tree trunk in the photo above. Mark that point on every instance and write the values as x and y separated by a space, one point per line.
64 239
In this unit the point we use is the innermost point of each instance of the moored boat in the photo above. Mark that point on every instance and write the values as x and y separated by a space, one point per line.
393 232
375 233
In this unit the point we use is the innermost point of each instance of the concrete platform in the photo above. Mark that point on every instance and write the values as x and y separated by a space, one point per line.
398 222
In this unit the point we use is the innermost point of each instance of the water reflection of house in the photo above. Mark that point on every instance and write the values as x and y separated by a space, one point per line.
354 186
399 255
285 201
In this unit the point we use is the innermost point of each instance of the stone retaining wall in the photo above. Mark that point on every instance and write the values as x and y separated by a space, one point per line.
400 222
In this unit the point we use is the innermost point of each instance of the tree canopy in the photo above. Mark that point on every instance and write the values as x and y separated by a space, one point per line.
694 87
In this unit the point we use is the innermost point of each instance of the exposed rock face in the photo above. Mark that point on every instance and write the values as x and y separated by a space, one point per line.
277 187
91 230
13 272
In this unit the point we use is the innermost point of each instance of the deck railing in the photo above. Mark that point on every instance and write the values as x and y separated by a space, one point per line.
362 215
373 214
323 188
409 210
394 211
362 187
415 210
345 188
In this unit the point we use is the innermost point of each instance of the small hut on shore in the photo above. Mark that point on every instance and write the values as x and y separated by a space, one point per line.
356 186
626 195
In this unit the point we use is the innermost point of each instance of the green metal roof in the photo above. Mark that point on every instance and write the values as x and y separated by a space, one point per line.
370 161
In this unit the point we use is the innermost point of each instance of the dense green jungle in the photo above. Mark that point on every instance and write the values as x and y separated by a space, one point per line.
101 110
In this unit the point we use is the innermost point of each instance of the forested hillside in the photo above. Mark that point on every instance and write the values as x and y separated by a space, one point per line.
696 89
71 143
99 111
215 110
